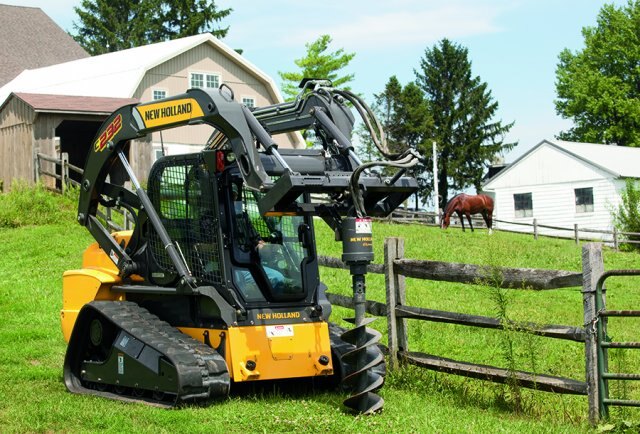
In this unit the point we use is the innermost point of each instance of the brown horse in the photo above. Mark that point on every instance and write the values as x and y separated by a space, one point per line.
467 205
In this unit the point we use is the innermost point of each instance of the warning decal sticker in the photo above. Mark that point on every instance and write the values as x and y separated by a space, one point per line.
279 331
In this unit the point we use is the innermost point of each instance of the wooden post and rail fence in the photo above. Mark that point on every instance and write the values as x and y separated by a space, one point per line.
62 180
396 268
59 169
576 232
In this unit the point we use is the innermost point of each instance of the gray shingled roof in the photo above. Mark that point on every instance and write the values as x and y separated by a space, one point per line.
29 39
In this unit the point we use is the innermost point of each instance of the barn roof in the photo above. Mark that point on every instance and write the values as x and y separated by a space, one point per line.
618 161
73 104
30 39
118 74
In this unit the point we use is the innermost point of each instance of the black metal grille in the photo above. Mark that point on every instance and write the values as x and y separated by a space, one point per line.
182 194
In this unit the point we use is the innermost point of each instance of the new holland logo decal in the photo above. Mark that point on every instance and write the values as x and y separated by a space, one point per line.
169 112
108 133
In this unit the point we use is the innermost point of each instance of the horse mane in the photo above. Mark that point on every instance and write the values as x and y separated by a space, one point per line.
449 204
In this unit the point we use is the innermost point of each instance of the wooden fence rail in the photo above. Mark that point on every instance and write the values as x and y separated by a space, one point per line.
396 268
515 278
613 237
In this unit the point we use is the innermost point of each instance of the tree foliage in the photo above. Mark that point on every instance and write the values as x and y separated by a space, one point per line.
111 25
598 87
463 127
318 63
627 215
182 18
404 115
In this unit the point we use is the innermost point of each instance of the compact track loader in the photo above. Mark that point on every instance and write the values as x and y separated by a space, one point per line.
218 281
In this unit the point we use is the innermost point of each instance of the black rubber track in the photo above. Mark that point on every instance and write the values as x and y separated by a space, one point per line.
202 373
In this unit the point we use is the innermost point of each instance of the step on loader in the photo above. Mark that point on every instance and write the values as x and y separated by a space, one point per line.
218 281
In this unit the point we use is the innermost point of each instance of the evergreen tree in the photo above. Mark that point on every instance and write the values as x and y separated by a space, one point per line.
597 87
112 25
406 120
317 63
627 216
182 18
462 108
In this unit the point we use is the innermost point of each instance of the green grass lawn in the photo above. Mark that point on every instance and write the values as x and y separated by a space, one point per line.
34 399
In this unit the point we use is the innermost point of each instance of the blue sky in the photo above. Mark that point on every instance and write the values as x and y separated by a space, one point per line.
513 44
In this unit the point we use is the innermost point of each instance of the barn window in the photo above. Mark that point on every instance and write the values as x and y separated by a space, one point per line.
249 101
159 94
523 204
197 80
584 199
213 81
203 80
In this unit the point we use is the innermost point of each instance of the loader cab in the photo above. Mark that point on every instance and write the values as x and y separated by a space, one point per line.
213 219
273 258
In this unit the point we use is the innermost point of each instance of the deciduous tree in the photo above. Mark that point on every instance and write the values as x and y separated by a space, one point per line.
598 87
318 63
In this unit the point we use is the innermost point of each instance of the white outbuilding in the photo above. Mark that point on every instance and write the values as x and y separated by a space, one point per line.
562 184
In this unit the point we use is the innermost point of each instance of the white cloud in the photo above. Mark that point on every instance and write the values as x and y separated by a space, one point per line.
408 27
362 24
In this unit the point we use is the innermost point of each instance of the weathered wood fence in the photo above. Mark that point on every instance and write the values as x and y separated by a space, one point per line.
396 267
60 172
578 233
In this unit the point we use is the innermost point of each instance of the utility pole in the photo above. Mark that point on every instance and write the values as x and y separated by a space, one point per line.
435 184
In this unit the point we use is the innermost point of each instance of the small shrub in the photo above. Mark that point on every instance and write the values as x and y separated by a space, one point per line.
627 216
31 205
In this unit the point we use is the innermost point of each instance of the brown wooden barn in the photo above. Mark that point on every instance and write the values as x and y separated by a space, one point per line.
51 124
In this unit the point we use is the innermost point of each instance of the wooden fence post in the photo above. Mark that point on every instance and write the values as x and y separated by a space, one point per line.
64 162
395 286
615 238
592 269
535 229
576 233
36 166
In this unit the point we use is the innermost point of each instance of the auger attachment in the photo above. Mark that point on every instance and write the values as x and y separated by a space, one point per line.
357 252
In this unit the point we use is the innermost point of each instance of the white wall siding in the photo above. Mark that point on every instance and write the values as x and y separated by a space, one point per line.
554 205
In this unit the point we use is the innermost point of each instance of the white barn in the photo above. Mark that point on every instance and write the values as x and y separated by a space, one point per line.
560 184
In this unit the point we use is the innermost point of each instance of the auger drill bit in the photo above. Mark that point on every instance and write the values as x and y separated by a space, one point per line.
357 248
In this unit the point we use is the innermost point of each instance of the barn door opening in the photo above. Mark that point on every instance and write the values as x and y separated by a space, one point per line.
76 139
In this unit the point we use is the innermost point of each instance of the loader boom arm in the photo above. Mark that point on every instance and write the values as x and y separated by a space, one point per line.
196 106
